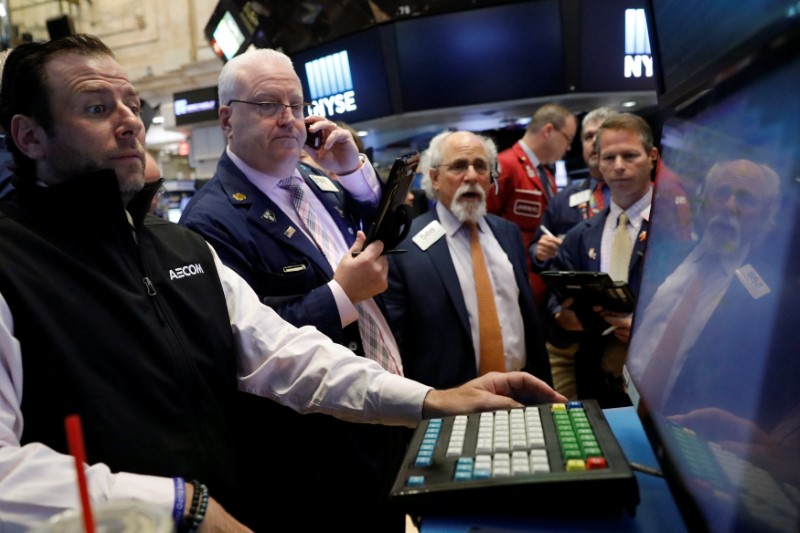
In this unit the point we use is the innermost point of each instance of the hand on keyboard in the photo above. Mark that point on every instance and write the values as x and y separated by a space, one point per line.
495 390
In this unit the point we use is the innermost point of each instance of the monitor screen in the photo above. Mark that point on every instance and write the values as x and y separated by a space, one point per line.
195 106
699 40
228 36
493 54
232 27
714 358
615 47
346 79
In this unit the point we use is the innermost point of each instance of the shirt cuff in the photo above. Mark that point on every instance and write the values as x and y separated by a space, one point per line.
347 311
401 400
363 183
159 491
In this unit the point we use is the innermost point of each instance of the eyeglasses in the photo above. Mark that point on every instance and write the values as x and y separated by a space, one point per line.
566 137
274 109
460 166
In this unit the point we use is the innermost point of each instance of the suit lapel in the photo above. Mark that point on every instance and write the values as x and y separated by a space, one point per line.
638 248
268 219
439 255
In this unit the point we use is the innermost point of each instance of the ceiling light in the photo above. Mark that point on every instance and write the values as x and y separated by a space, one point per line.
629 103
158 120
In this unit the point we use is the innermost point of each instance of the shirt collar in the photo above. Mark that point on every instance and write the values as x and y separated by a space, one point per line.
529 153
638 211
265 182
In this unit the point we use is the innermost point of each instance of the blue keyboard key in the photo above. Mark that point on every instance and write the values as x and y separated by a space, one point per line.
415 481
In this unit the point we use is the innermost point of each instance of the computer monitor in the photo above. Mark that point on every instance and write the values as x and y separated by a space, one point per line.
231 28
714 359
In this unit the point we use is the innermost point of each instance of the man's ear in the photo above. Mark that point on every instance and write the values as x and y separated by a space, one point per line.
434 175
28 136
224 120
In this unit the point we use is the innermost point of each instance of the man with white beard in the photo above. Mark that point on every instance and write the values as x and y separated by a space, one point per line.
459 301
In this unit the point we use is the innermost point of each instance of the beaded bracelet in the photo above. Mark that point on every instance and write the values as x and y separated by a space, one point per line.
197 512
180 500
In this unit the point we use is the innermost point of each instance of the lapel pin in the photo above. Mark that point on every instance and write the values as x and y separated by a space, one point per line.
269 216
239 197
592 254
289 232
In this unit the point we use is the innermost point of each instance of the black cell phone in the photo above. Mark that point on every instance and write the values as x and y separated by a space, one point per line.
314 140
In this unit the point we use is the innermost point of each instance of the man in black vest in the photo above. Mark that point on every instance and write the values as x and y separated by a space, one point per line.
134 324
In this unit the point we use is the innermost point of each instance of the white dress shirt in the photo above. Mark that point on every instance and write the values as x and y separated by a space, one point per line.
719 272
504 285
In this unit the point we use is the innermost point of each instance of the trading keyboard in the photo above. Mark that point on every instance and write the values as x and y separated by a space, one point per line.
721 478
546 459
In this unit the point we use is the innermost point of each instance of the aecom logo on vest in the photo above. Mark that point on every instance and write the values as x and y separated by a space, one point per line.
330 85
637 45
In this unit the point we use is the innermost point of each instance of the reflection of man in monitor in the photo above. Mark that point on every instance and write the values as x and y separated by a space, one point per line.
697 331
716 348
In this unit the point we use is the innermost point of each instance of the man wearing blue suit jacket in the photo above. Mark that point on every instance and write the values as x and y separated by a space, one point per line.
627 157
300 262
431 300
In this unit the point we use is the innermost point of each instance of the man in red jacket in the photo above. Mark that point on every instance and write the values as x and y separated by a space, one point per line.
525 185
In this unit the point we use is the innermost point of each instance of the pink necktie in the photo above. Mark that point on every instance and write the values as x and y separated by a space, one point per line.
375 347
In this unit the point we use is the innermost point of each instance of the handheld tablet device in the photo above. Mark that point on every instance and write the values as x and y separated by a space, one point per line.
393 220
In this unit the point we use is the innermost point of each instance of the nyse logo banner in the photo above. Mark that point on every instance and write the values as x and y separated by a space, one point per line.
330 85
638 58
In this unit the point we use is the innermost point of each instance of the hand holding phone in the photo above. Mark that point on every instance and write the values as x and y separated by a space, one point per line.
314 140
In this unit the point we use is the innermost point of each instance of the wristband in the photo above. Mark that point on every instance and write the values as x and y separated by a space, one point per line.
180 500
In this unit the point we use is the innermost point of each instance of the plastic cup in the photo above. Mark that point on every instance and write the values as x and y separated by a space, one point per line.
118 516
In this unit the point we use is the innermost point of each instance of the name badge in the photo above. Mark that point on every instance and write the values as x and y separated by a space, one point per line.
293 268
579 198
428 235
752 281
324 183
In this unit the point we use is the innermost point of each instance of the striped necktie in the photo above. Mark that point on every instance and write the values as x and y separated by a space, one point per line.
375 346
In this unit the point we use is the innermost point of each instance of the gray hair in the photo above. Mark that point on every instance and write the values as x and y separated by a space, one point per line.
235 69
597 115
432 158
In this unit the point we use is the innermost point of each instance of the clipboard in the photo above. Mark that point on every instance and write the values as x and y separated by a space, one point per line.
393 221
590 289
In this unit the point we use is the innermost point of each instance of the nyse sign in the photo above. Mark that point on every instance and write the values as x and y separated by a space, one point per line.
337 104
638 58
330 85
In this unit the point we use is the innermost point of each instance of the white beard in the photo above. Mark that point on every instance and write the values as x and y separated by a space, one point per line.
468 210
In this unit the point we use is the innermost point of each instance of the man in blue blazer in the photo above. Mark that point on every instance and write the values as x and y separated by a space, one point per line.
431 302
627 157
289 230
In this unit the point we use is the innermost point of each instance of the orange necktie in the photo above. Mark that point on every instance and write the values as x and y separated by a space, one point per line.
492 357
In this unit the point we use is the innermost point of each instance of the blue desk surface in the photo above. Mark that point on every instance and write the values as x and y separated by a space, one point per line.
656 511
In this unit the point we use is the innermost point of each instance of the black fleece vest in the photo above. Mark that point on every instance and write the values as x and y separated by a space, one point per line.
131 334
